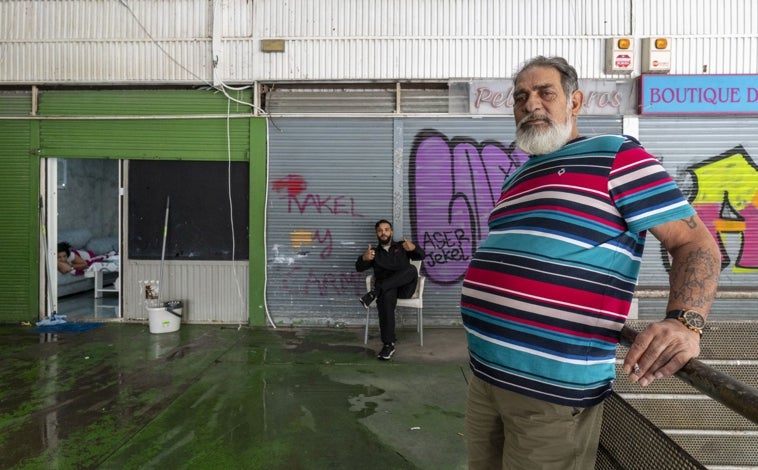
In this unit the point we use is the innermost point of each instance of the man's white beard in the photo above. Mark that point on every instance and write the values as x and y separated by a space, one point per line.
536 141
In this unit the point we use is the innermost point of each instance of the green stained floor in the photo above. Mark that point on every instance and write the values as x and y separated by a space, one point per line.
210 397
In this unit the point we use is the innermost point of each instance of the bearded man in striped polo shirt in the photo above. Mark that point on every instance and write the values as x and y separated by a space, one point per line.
548 291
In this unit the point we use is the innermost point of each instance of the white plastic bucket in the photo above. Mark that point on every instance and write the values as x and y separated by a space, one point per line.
165 317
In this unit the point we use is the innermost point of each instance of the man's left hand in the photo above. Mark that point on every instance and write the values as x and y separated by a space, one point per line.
408 245
660 350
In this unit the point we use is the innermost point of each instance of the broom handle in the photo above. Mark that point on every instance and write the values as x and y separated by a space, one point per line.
163 251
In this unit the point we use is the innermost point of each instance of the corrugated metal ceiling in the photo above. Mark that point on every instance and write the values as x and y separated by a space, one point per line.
155 41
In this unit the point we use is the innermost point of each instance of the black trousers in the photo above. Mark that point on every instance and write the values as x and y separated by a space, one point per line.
401 285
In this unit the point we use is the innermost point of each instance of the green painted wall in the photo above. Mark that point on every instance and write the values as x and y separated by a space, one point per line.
118 124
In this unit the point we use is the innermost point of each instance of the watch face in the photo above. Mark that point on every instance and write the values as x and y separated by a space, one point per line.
694 319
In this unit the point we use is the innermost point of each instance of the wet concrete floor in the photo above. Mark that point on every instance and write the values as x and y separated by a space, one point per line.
207 397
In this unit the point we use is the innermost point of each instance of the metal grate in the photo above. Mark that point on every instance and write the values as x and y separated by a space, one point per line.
629 441
708 431
721 451
690 413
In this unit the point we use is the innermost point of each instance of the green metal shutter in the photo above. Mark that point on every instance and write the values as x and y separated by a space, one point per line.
154 125
19 229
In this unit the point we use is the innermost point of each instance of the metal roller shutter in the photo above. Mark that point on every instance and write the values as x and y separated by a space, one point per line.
713 161
330 179
19 226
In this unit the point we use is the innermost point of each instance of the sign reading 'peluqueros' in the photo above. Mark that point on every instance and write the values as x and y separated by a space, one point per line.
601 97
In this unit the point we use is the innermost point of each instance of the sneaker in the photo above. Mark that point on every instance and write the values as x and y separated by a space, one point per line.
368 298
387 351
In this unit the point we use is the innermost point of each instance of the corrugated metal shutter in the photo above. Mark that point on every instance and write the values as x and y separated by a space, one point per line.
713 159
377 98
332 178
330 100
19 187
425 100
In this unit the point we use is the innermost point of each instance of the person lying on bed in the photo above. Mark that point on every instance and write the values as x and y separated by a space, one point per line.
72 261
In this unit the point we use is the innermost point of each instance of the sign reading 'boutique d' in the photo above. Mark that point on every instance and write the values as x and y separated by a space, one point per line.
699 94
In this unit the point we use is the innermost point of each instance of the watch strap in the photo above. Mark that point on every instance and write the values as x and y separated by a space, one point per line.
675 314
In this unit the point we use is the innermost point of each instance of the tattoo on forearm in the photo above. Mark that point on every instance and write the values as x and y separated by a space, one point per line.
691 222
694 281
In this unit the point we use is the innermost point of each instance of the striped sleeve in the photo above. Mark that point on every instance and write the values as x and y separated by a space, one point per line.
643 191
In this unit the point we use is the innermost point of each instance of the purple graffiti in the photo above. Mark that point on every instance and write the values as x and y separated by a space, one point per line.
326 240
322 284
454 184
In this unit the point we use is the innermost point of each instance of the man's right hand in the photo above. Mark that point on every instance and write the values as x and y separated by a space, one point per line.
369 254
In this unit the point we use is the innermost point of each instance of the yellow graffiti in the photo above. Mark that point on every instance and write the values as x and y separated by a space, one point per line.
732 226
733 175
298 238
727 202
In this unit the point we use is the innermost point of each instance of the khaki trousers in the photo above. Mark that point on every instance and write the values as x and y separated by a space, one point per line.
507 430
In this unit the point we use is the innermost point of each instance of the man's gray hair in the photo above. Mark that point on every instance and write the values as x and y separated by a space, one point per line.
569 79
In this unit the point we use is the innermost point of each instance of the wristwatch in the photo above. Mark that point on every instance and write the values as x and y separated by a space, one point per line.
689 318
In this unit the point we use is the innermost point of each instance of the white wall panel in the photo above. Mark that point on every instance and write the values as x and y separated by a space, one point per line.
430 40
207 288
719 55
79 20
105 41
695 18
438 18
422 59
714 37
107 62
236 18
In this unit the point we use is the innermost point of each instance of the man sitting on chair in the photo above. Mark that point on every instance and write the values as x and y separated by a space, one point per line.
394 278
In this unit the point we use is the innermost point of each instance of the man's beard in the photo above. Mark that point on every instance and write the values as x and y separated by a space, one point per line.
537 141
385 241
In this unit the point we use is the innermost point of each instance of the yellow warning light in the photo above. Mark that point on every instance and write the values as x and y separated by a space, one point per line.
661 43
624 43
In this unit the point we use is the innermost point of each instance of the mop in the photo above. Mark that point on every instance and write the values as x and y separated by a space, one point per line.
52 318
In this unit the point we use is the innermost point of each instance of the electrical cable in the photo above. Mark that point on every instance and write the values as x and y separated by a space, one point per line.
231 211
265 239
221 88
231 216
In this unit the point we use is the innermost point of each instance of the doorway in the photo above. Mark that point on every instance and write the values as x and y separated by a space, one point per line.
84 201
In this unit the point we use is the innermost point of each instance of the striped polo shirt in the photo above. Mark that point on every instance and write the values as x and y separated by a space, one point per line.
547 292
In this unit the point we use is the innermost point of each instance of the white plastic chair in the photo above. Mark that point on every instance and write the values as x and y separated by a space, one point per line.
416 301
